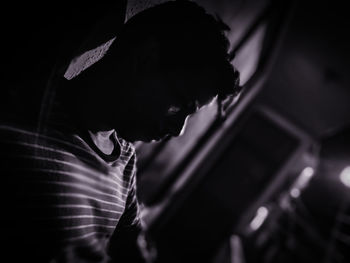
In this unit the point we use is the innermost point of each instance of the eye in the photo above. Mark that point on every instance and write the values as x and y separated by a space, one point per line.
173 110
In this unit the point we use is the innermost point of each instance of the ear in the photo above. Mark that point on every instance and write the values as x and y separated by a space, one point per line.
147 55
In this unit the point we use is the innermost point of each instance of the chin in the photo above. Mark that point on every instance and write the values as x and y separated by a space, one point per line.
139 139
153 139
145 137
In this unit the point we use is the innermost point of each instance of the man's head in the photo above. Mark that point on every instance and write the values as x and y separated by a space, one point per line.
166 62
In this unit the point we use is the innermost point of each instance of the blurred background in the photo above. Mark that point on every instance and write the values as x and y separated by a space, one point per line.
265 180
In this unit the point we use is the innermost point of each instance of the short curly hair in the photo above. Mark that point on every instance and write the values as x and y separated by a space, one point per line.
189 38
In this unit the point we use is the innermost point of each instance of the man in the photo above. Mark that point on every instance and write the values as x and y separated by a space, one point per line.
69 188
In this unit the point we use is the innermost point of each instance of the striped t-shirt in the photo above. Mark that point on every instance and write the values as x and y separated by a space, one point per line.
61 198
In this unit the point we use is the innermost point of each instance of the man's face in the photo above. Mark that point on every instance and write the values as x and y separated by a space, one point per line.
162 104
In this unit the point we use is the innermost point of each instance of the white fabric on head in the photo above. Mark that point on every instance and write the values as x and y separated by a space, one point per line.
90 57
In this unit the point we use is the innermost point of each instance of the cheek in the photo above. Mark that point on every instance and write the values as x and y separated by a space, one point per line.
148 118
175 125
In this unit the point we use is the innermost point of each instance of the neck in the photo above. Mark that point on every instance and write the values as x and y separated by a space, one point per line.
102 140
